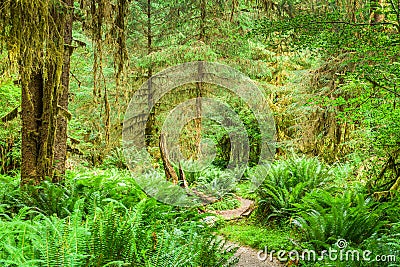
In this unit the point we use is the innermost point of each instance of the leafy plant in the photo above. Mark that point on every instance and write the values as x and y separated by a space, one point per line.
10 139
385 245
115 235
286 183
115 159
43 241
258 236
191 248
324 218
106 221
229 202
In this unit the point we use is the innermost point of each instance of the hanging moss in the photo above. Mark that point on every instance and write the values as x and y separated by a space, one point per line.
28 33
35 34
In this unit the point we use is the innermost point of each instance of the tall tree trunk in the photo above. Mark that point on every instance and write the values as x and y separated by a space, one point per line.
152 116
45 111
202 20
198 121
199 85
60 153
31 113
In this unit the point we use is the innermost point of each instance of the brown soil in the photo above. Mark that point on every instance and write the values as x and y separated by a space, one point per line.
245 206
247 256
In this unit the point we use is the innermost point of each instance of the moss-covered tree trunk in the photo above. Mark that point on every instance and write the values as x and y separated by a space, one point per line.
60 152
45 107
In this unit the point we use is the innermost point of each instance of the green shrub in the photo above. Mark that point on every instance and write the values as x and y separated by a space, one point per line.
229 202
286 183
387 244
114 235
97 184
10 135
59 199
101 218
115 159
212 181
191 248
324 218
43 241
9 192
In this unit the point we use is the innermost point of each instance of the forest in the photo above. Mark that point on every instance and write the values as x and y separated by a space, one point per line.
211 133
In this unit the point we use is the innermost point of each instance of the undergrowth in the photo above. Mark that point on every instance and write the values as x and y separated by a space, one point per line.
101 218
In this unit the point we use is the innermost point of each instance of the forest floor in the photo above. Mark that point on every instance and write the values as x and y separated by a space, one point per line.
247 256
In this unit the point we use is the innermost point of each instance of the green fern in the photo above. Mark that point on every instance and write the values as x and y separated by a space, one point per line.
286 183
178 248
324 218
114 231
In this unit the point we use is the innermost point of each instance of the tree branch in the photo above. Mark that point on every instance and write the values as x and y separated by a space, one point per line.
11 115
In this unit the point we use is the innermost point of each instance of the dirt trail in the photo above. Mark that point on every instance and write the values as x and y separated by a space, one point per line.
247 256
245 206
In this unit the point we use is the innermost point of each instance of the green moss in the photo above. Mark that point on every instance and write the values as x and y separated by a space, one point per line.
257 236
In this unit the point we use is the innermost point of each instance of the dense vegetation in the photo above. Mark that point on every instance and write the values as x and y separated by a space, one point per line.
329 71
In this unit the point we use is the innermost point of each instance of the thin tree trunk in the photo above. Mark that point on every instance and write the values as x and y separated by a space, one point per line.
60 152
202 20
152 117
169 170
198 121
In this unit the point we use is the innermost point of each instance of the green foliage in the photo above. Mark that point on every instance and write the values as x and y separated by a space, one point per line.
115 235
189 248
391 211
324 218
10 139
64 241
171 252
115 159
358 79
258 236
9 191
212 180
101 218
387 244
59 199
43 241
215 251
286 183
229 202
219 186
96 185
246 189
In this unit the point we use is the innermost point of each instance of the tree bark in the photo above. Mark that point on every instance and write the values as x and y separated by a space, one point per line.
198 120
202 20
45 111
30 114
149 131
170 173
60 152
